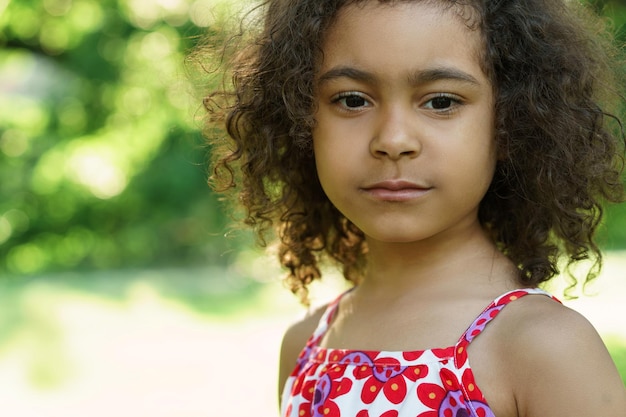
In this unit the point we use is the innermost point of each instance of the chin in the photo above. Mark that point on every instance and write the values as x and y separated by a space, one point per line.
399 238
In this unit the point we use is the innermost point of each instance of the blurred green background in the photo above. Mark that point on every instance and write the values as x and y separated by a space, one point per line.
103 195
101 158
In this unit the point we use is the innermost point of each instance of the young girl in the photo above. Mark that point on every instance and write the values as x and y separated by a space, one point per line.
447 155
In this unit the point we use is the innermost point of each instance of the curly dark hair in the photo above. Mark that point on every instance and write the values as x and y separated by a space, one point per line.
553 71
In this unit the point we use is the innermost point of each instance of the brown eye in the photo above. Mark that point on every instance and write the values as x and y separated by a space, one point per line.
351 101
441 103
354 101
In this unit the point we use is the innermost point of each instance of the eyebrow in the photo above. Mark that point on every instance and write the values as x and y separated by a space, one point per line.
441 73
346 72
415 78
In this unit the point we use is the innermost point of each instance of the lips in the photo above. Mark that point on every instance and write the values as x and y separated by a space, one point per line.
396 190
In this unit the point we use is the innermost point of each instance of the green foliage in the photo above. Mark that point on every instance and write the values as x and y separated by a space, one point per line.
101 159
613 235
100 151
616 11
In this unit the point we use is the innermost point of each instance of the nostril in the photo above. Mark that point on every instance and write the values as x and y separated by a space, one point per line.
395 155
396 137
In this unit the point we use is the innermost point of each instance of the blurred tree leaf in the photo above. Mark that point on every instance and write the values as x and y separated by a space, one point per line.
100 151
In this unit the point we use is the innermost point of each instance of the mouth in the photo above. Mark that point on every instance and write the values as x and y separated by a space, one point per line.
396 190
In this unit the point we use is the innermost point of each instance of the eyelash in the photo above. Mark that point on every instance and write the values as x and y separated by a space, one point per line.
350 94
453 105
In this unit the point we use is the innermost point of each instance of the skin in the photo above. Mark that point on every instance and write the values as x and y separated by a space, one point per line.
404 148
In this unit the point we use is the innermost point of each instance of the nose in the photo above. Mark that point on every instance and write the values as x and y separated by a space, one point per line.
396 134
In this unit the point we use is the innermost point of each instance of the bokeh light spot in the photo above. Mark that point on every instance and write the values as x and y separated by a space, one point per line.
86 15
48 172
202 13
26 259
5 229
54 37
20 222
14 143
28 22
157 46
57 7
98 173
143 13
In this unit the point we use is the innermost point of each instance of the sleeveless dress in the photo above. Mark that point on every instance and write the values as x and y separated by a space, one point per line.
423 383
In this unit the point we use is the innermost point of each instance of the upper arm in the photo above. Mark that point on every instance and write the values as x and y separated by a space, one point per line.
294 340
564 369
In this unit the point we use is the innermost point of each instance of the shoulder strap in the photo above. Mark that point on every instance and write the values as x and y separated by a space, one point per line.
325 320
490 313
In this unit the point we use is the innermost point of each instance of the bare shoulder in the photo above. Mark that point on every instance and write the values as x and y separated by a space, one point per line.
559 365
294 340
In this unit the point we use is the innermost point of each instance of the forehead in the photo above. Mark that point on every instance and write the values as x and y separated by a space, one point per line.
468 11
382 35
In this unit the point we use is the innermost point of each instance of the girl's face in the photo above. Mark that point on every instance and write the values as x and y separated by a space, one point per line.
404 137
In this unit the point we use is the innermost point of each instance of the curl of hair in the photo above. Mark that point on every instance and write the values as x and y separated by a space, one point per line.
558 158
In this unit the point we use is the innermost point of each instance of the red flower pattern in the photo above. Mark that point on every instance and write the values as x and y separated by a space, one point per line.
429 383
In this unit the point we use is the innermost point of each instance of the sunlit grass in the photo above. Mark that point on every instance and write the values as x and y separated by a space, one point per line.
170 342
157 341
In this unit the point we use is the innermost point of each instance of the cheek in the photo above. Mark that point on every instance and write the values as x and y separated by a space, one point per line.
334 169
323 158
327 144
327 162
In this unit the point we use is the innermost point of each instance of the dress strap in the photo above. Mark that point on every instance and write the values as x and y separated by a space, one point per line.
476 328
490 313
325 320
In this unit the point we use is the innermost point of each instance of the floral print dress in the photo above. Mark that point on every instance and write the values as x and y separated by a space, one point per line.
424 383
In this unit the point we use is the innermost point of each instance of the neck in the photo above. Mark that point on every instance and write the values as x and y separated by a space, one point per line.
460 263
